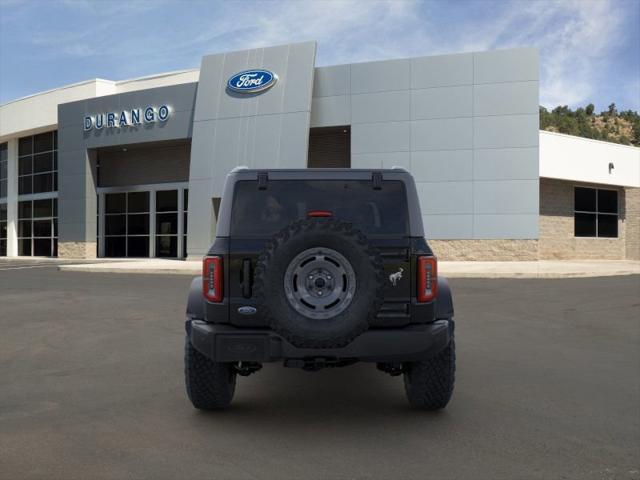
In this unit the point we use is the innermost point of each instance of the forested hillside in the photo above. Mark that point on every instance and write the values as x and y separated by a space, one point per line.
610 125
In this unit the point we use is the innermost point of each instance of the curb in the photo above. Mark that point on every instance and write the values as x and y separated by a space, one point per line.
148 271
105 268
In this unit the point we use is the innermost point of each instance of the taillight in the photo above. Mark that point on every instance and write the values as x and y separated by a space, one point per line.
212 278
427 278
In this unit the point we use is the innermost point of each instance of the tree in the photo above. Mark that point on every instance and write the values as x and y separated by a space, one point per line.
610 125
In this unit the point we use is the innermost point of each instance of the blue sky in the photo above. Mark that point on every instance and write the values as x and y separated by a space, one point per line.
590 50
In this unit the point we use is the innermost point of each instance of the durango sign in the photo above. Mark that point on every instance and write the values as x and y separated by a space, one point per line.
127 118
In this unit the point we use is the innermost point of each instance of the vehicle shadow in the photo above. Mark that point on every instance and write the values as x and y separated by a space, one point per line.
337 399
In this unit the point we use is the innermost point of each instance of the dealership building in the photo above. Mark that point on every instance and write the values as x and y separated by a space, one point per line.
136 168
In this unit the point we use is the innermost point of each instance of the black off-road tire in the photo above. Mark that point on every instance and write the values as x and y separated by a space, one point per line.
300 330
210 385
429 384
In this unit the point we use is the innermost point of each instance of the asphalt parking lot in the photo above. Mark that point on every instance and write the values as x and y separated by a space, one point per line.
91 386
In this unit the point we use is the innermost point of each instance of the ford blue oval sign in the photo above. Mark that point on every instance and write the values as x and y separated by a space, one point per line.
252 81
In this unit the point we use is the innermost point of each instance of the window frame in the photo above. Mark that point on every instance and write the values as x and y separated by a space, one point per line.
596 212
181 234
31 219
4 178
53 173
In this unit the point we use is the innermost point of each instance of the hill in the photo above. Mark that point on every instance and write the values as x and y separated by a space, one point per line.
610 125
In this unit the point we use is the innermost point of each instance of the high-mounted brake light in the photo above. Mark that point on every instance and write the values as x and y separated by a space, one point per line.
212 278
427 279
319 213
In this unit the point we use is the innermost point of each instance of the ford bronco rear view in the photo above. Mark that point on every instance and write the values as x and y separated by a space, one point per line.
314 269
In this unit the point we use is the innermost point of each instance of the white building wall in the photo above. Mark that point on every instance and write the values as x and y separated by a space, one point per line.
39 112
566 157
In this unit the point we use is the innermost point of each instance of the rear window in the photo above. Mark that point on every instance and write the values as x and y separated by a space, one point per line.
266 212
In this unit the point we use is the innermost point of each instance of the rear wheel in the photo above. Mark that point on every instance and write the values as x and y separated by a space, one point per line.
210 385
429 384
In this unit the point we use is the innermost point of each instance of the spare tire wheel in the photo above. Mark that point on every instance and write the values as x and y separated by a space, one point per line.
319 283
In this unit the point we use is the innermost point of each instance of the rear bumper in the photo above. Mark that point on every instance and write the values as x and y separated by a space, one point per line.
223 343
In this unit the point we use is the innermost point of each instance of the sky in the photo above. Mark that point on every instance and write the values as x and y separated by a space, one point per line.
589 50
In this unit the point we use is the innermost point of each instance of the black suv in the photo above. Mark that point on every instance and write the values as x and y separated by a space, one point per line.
319 268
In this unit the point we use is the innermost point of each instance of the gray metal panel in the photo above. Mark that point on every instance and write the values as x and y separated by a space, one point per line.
442 102
505 226
506 197
380 76
299 77
332 81
76 197
381 107
462 130
380 137
446 197
506 164
448 226
442 134
268 129
210 87
294 140
381 160
506 131
397 159
516 65
442 70
505 98
205 131
442 165
272 101
331 111
200 221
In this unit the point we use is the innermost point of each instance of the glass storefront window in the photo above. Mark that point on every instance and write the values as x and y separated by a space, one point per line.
38 228
167 223
4 163
3 229
126 224
185 206
38 163
143 223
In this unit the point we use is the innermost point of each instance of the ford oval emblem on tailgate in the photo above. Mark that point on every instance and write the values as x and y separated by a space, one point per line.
247 310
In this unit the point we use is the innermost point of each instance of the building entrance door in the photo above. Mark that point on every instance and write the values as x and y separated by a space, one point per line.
142 223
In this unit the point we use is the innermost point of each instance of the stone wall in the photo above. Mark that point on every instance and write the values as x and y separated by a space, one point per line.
77 250
557 240
632 228
485 250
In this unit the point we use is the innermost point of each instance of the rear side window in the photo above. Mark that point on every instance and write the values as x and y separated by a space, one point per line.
258 213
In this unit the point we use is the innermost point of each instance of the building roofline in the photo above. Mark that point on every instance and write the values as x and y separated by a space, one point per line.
547 132
102 80
156 75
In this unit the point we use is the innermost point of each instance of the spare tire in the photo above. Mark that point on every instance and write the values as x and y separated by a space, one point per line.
319 282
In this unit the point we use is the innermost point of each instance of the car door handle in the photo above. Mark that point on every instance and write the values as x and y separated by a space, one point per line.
246 278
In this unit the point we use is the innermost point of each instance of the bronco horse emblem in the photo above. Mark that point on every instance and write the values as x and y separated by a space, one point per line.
394 277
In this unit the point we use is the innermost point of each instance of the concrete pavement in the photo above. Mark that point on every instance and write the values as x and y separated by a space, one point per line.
92 388
540 269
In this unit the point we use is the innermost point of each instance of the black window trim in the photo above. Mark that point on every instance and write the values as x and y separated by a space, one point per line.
596 212
53 173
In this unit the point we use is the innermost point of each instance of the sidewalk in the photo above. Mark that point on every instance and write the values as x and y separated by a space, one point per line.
540 269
